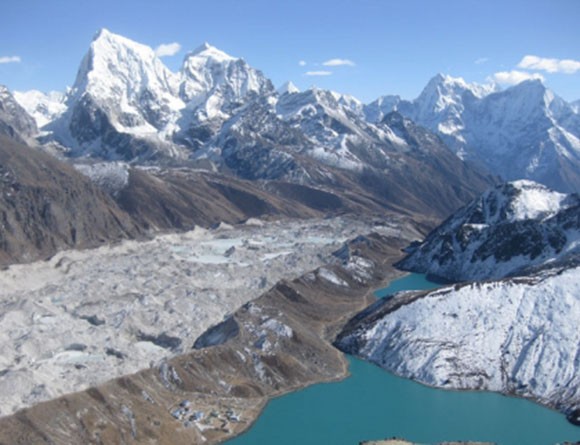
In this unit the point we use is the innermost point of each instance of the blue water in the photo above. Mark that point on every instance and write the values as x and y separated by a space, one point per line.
373 404
412 281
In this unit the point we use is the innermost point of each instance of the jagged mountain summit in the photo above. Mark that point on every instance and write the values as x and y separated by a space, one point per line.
44 108
122 103
523 132
126 104
503 232
221 114
214 86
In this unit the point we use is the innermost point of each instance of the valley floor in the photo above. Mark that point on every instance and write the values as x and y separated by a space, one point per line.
84 317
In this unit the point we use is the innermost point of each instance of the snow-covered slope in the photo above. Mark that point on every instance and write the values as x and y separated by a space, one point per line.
330 125
576 106
517 336
377 110
44 108
514 226
523 132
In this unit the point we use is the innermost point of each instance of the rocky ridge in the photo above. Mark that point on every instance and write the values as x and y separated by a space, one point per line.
15 122
46 206
507 230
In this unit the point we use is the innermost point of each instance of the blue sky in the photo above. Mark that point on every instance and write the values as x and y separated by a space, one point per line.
392 46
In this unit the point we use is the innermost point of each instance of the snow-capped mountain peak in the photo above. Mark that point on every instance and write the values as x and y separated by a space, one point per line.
115 64
287 88
219 82
15 122
444 92
524 199
208 51
121 88
525 131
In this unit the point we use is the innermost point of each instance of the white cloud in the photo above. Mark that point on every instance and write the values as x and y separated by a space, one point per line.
339 62
513 77
302 63
167 49
318 73
481 60
10 59
567 66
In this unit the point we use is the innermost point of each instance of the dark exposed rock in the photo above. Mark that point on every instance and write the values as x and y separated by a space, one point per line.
76 347
93 319
162 340
114 353
218 334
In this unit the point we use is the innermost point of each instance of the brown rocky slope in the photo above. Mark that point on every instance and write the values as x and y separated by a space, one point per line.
46 205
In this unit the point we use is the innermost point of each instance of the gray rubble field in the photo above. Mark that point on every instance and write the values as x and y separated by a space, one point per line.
84 317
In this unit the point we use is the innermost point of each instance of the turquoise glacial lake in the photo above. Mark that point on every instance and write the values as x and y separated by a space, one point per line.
374 404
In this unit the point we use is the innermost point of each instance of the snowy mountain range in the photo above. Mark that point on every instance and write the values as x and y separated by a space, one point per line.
523 132
219 113
508 229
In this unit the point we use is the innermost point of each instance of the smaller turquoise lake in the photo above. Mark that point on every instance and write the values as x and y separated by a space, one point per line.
374 404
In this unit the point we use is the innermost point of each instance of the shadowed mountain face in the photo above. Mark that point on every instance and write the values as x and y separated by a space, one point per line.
46 205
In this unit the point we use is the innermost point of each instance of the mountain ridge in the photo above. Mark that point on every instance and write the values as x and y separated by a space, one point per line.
503 232
522 132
